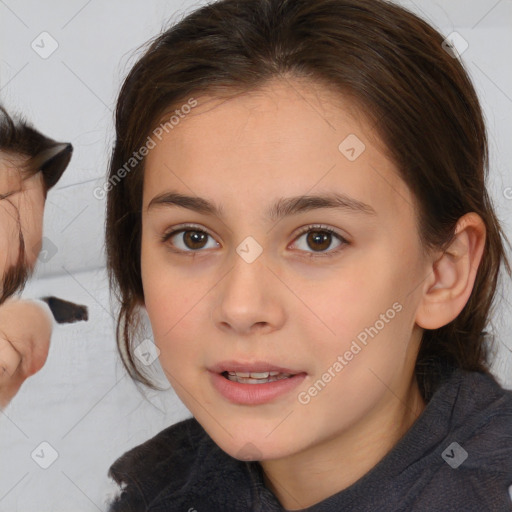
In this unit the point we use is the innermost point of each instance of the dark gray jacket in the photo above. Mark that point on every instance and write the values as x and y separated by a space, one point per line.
182 469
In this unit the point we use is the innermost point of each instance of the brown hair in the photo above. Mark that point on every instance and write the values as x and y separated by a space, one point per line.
33 151
28 151
391 63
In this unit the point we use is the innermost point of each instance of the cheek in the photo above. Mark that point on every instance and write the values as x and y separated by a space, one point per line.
363 311
169 305
354 297
177 317
179 334
178 309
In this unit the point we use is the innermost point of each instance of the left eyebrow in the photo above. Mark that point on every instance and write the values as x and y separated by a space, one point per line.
283 207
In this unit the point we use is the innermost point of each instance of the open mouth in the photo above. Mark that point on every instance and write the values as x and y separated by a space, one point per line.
255 377
254 383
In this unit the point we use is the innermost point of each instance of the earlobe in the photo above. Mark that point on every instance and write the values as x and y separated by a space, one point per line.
452 274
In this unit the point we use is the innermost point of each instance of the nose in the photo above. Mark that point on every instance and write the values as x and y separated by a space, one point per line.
249 299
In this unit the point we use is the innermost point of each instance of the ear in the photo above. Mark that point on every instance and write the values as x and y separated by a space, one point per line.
452 275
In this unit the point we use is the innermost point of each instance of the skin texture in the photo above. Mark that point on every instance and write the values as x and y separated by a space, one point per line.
28 198
286 307
25 326
25 333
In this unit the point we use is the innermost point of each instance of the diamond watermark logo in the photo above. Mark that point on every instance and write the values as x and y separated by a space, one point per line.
454 455
48 250
249 250
351 147
249 452
44 45
44 455
147 352
455 45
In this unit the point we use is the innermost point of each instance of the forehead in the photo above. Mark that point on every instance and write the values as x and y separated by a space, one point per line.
286 138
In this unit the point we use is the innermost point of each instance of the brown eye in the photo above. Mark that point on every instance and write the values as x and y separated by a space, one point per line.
194 239
319 239
188 240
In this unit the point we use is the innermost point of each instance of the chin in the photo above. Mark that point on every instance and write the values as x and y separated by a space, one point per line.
250 442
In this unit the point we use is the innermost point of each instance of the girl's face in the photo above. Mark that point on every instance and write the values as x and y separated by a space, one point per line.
253 279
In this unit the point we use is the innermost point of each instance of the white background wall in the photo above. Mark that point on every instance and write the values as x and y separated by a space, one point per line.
82 403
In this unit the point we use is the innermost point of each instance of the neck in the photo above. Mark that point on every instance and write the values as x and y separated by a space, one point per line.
312 475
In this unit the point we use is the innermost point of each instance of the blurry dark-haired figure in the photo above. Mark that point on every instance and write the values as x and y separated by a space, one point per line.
30 165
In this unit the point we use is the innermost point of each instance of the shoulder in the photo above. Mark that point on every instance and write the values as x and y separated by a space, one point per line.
180 437
475 462
487 423
145 470
180 467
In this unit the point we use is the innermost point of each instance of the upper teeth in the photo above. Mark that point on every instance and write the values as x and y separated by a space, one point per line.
254 375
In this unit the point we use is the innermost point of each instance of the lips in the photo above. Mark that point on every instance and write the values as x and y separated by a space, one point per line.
256 367
255 383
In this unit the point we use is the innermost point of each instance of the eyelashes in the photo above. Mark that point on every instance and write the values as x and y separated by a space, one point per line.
199 236
326 233
193 240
